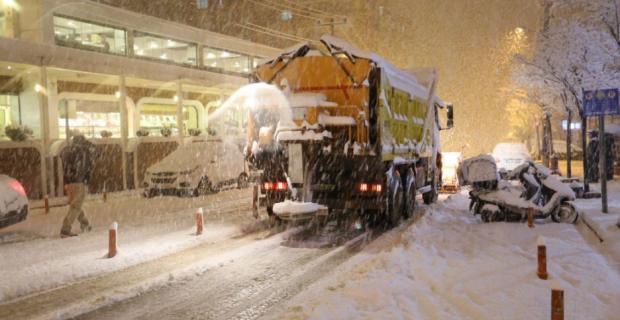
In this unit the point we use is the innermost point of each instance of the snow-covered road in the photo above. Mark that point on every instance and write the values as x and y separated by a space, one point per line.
451 266
445 265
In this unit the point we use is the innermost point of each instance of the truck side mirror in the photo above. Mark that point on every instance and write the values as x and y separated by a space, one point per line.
450 122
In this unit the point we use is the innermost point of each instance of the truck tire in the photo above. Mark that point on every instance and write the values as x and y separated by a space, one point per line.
431 196
410 191
395 203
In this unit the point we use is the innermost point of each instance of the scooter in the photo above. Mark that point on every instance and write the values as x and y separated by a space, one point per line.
529 186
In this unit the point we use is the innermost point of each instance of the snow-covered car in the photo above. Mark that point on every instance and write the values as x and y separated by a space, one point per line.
13 201
197 168
510 155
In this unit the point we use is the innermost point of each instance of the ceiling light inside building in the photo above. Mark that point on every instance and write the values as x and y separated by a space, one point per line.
175 98
286 15
171 43
117 94
210 55
38 88
153 45
225 54
9 68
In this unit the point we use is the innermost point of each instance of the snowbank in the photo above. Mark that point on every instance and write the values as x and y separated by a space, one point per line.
451 266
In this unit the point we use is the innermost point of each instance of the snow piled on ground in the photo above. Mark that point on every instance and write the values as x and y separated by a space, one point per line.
449 265
148 229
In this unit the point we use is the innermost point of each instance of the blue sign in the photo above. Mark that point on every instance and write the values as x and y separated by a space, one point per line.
601 102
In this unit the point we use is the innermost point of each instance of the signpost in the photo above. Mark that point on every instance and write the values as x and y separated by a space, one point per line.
601 103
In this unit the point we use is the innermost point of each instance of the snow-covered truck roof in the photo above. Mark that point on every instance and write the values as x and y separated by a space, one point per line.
404 80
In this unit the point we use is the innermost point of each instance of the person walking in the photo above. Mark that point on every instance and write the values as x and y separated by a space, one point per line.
77 166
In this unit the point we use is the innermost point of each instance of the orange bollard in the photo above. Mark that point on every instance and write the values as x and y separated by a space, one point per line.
46 204
557 302
530 217
542 258
199 221
112 240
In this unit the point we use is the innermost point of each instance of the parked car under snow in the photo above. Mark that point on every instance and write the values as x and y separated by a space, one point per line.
508 156
197 168
13 201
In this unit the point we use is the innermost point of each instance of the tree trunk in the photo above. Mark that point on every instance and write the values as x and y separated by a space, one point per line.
568 144
584 132
538 147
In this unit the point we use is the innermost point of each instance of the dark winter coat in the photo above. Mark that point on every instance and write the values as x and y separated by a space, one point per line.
77 160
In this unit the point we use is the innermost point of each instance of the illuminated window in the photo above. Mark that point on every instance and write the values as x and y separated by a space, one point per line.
154 117
91 118
74 33
155 47
10 113
226 60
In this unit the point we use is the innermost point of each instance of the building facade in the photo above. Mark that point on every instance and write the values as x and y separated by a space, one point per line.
136 85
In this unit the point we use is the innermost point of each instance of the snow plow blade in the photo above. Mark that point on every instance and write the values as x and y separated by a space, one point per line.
298 211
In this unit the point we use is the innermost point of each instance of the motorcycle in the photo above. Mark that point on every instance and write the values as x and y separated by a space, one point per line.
528 187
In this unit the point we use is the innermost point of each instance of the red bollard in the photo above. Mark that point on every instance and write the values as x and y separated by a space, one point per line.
112 240
46 204
557 301
542 258
530 217
199 221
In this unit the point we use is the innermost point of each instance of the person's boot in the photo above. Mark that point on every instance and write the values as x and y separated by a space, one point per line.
67 234
86 228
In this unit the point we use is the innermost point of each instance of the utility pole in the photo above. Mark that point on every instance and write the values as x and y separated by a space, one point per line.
568 143
603 160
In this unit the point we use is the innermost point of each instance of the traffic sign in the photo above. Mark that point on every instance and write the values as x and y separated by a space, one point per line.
601 102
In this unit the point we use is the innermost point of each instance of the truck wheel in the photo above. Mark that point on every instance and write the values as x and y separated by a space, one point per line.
274 220
395 205
410 195
431 196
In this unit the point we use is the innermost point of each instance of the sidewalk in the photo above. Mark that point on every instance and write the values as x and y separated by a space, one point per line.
605 225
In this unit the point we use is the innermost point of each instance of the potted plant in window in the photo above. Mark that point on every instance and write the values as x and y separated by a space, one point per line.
105 134
166 132
142 132
18 132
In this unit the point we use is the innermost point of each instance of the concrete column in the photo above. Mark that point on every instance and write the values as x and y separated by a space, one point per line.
180 111
45 129
122 103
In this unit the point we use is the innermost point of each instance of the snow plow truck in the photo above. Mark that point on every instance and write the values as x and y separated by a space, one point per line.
362 138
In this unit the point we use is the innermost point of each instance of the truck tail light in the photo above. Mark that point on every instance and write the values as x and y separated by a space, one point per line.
370 187
376 188
280 185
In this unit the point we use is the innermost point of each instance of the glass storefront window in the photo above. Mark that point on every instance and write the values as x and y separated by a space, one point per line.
155 47
9 112
90 118
155 117
90 36
226 60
